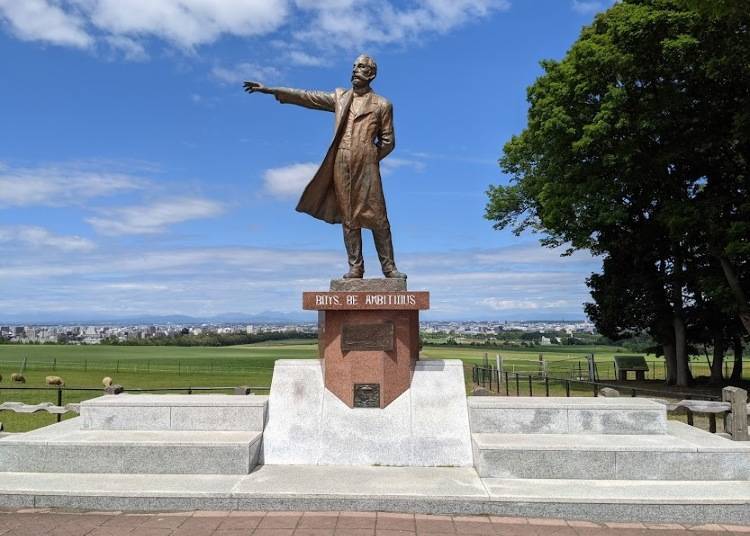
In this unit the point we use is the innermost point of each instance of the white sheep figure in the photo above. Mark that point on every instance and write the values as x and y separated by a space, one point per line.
17 378
55 380
106 381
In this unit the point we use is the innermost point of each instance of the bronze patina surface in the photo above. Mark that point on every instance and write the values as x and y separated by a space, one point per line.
347 187
379 336
367 395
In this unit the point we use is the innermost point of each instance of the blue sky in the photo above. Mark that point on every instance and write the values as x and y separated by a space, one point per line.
136 177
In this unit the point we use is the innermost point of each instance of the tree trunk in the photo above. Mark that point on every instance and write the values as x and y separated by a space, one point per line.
737 369
717 376
743 307
670 362
681 354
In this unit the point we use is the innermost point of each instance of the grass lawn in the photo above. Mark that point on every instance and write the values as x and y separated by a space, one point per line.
153 367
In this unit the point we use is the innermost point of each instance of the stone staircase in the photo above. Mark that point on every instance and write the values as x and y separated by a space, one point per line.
146 434
596 439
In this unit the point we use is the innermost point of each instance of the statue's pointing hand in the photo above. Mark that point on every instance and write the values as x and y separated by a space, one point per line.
253 87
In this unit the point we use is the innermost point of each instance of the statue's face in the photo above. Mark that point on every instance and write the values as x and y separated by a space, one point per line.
362 72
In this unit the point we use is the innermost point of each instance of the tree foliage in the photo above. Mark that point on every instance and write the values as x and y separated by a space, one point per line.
638 148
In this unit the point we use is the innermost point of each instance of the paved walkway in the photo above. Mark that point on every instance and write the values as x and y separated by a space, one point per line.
46 522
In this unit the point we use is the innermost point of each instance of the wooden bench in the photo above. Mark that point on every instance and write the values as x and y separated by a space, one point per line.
627 363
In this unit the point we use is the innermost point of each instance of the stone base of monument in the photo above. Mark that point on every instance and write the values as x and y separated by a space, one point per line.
368 337
598 459
153 434
427 426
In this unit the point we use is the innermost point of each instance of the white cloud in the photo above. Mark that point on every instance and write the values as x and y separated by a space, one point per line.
317 25
298 57
391 164
288 181
39 237
247 279
131 49
185 23
345 24
587 7
154 218
60 185
499 304
246 71
43 20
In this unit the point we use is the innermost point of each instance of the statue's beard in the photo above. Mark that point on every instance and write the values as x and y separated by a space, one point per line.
358 81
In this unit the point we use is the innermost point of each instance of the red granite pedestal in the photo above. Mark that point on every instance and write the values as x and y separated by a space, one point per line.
368 332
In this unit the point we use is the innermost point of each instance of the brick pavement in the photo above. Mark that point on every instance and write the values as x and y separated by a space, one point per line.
50 522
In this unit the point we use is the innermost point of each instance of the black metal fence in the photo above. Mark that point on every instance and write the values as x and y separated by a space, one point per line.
509 383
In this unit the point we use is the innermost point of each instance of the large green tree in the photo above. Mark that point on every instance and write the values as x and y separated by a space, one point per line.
638 142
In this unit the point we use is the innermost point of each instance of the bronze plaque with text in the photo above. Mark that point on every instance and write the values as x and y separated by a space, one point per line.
366 395
368 337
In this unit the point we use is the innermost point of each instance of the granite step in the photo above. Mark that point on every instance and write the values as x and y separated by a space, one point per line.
66 448
423 490
562 415
685 453
201 412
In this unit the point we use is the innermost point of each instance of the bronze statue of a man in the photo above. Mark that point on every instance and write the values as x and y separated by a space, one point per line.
347 188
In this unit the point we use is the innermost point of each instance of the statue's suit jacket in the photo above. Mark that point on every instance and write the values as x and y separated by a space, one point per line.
348 189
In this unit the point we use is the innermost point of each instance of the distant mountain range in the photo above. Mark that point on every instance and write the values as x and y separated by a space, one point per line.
265 317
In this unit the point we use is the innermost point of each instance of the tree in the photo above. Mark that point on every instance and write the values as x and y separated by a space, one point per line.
638 143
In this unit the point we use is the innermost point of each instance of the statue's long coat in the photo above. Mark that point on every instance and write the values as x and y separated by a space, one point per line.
348 192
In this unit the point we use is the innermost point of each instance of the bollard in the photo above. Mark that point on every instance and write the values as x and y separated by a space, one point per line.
735 422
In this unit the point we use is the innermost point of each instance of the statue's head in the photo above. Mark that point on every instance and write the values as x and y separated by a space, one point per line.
364 71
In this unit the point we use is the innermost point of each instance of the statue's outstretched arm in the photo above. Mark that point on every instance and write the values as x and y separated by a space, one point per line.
317 100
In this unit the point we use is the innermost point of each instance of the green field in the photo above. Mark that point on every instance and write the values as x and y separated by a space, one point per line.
154 367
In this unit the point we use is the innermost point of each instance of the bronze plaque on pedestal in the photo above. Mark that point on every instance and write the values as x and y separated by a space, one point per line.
366 395
365 337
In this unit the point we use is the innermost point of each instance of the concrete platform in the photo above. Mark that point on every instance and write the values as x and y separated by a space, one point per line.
563 415
426 426
684 454
385 489
65 448
175 412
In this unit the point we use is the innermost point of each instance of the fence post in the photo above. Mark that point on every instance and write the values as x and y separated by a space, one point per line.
531 388
507 384
567 387
59 400
518 385
546 386
735 422
117 366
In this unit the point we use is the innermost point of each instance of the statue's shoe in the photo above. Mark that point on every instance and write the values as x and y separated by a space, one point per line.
395 274
353 274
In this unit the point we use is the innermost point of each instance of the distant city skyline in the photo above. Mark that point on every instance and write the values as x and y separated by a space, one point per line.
137 179
106 333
